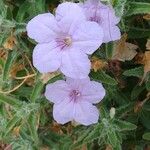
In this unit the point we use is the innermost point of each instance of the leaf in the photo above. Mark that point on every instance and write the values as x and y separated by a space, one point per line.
125 126
109 49
10 100
124 51
10 42
97 64
119 6
137 90
148 44
11 124
136 33
138 8
146 136
36 93
103 77
112 138
135 72
146 62
9 62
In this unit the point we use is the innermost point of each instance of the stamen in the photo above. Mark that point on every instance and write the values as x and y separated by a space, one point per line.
74 95
68 41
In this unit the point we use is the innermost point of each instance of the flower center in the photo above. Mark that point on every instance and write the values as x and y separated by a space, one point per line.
64 42
68 41
74 95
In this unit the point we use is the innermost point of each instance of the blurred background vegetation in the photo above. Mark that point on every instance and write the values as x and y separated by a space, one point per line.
26 121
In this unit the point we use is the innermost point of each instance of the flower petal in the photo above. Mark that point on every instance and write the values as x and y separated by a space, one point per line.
68 16
63 112
85 113
46 57
75 64
57 92
111 33
109 21
88 37
42 28
93 92
78 84
69 9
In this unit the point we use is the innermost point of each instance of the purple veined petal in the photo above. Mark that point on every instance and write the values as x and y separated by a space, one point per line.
111 34
78 84
57 91
85 113
46 57
88 37
42 28
63 112
93 92
69 9
75 64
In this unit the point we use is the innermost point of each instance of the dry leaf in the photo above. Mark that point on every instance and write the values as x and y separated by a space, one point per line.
123 50
16 68
97 64
146 17
10 42
16 131
56 128
109 147
148 44
146 62
47 76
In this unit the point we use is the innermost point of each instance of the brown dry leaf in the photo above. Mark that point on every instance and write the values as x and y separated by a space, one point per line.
97 64
146 62
47 76
109 147
146 17
15 68
56 128
44 148
138 106
16 131
123 50
10 42
148 44
3 54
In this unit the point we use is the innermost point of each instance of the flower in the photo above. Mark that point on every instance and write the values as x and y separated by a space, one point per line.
73 100
104 15
64 40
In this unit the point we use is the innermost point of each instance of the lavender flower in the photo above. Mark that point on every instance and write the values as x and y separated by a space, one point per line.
64 41
73 100
104 15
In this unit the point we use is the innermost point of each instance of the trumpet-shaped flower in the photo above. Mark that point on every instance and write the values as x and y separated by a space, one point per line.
64 40
104 15
73 100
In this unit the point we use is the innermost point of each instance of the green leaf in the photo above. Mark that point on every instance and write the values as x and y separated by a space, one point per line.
32 123
12 56
10 100
137 90
119 6
125 126
147 83
136 33
103 77
11 124
109 49
135 72
146 136
36 93
112 138
138 8
23 9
